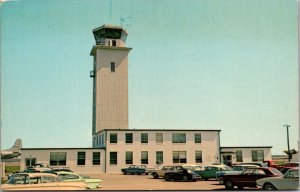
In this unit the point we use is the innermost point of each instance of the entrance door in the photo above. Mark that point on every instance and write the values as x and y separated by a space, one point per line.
227 159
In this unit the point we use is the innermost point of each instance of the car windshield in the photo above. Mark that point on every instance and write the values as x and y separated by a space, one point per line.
292 173
275 171
18 179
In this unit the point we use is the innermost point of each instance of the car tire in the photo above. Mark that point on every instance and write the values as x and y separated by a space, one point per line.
269 187
185 178
155 175
124 173
167 178
228 184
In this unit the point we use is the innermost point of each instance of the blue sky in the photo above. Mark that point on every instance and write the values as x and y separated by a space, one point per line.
199 64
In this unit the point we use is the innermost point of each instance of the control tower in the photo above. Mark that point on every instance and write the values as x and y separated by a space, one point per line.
110 78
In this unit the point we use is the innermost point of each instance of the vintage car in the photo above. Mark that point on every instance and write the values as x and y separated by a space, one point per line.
156 173
40 181
90 182
289 181
248 177
237 169
288 166
210 171
136 169
182 174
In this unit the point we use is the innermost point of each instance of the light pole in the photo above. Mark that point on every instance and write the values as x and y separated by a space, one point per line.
288 141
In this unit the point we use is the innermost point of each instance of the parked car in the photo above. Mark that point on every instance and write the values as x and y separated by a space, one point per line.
90 182
289 181
237 169
40 181
210 171
288 166
136 169
182 174
156 173
56 169
248 177
260 164
193 167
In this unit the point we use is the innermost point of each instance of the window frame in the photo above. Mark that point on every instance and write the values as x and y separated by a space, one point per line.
178 137
112 67
126 138
239 155
179 154
144 157
128 157
197 137
61 158
198 158
159 137
113 140
144 137
113 161
96 160
81 156
255 154
159 157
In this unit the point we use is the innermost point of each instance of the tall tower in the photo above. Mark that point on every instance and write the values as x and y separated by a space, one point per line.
110 78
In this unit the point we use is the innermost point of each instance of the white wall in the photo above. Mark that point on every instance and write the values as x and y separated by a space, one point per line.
209 147
43 156
247 153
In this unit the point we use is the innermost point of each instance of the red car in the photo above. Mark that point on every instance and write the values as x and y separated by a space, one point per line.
248 177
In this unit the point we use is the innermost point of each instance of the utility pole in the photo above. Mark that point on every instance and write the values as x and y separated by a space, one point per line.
288 141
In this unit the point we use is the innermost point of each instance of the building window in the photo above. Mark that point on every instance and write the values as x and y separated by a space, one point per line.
239 156
198 156
179 156
128 137
112 66
114 43
58 158
129 157
144 157
81 158
31 161
96 158
178 137
113 137
197 137
257 155
159 138
113 159
159 157
144 138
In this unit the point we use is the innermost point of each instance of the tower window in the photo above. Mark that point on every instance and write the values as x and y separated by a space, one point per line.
112 66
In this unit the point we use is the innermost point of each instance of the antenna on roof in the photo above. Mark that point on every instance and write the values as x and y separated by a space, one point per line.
110 8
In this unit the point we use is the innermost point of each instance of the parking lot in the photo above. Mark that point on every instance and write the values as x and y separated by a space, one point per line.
146 182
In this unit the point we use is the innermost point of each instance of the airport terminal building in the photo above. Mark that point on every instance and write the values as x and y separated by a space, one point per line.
115 145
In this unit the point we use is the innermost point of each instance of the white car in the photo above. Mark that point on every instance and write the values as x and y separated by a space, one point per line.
289 181
39 181
90 182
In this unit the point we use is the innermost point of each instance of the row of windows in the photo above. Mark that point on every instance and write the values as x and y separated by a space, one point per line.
176 137
257 155
178 157
60 159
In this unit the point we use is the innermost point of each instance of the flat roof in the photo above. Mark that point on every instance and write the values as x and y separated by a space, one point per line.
184 130
247 147
64 148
